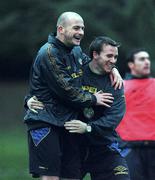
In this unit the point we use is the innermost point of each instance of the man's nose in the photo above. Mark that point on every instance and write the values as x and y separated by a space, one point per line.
147 60
81 31
113 60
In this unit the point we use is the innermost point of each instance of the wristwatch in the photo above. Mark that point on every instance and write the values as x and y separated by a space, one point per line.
88 128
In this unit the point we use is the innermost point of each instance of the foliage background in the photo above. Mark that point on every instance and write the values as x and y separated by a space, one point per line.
24 27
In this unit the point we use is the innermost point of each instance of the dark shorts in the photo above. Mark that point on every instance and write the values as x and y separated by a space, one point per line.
141 162
104 163
53 152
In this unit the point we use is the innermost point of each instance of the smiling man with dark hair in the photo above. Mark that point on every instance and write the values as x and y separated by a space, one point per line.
99 140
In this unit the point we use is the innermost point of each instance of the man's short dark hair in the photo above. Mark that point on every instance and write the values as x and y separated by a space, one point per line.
98 43
130 56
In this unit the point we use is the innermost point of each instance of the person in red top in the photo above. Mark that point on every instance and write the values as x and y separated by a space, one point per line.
137 129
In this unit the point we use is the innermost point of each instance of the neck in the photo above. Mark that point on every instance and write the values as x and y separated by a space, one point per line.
60 39
140 75
63 41
95 68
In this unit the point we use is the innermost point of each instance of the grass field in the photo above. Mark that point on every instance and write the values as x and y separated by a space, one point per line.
14 156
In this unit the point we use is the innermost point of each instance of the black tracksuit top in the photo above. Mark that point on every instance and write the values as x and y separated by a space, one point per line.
105 119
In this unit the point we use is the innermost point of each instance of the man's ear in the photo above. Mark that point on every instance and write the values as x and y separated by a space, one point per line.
95 55
60 29
130 65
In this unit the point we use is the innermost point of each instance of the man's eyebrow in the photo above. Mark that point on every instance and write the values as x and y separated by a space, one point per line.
143 57
79 26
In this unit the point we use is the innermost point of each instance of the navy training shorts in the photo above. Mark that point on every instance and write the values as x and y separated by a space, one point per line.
53 152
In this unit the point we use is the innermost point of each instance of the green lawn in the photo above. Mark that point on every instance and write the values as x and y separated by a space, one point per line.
14 156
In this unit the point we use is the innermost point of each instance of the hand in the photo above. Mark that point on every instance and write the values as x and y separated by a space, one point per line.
104 99
116 79
34 104
75 126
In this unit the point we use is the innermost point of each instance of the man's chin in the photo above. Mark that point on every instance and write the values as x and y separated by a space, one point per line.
108 70
76 43
146 73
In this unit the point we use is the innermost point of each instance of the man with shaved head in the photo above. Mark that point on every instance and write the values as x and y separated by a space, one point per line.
55 80
65 24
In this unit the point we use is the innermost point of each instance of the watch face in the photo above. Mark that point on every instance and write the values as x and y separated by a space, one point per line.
88 128
88 112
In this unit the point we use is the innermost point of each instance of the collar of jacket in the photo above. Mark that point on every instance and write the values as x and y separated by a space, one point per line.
53 40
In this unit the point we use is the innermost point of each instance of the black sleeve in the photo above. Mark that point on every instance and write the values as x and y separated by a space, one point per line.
78 54
85 59
60 82
111 117
26 98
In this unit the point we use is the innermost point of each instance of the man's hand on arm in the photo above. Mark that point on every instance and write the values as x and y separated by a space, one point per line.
116 79
104 99
77 126
33 104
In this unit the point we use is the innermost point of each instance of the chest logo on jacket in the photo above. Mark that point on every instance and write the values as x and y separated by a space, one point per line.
77 74
90 89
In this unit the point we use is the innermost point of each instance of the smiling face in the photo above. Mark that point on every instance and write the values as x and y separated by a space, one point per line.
107 58
140 66
74 32
71 29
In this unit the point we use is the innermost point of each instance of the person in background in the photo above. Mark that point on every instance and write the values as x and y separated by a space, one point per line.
55 80
137 129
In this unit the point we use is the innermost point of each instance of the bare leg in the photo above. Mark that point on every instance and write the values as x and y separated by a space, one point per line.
50 178
68 179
